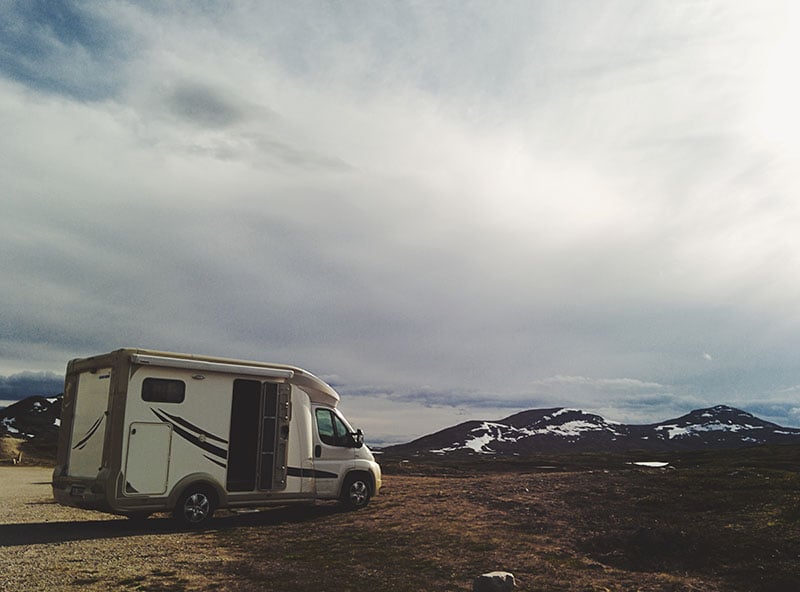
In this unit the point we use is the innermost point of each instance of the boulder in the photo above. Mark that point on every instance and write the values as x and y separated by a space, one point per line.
495 581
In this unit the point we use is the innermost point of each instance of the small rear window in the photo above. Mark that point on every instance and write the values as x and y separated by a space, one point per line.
162 390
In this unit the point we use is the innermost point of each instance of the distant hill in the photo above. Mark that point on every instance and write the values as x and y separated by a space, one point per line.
31 426
559 430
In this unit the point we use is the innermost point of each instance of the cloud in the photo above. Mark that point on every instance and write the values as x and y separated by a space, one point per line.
404 196
204 106
625 384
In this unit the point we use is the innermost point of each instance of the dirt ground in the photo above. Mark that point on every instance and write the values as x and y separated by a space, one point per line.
44 546
685 530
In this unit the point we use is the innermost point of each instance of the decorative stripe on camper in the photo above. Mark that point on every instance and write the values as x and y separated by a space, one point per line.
89 433
199 439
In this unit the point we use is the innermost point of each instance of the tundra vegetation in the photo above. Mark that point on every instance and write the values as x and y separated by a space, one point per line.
711 521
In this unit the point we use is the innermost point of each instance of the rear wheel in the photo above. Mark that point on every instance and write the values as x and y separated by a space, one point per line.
195 507
356 491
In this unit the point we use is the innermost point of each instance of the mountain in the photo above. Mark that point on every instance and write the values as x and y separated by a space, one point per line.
572 430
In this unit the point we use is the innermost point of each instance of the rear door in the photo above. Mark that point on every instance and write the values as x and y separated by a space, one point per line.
89 424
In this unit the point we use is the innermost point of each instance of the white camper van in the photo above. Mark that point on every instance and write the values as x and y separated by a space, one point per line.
145 431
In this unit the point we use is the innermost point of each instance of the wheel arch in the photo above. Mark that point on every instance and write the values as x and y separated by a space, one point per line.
357 489
359 472
198 480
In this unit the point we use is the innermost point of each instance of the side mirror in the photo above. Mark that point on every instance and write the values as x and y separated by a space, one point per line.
358 438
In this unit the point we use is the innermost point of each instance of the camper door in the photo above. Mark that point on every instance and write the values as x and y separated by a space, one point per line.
259 436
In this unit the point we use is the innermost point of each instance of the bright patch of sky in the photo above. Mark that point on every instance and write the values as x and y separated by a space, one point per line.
458 209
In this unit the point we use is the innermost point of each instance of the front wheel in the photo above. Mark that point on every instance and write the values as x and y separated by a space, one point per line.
356 492
195 507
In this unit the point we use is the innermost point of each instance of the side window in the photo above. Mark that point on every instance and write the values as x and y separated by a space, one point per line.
341 430
325 427
332 430
162 390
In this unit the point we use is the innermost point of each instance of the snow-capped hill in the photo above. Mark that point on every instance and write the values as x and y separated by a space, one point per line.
528 431
572 430
31 417
720 425
29 430
723 416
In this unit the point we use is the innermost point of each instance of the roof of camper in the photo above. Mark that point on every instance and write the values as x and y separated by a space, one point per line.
319 390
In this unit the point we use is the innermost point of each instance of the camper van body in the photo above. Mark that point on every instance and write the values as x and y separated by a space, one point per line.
145 431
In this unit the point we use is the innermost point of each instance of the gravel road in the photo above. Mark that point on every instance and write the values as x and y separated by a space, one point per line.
44 546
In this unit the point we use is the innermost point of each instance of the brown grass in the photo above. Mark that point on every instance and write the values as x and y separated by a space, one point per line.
39 452
710 529
9 449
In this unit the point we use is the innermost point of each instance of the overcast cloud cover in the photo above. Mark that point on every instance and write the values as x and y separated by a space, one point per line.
450 210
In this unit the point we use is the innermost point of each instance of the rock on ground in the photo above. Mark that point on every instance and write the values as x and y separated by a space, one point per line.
495 581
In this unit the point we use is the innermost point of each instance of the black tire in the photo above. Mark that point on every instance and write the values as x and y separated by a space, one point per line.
195 507
356 491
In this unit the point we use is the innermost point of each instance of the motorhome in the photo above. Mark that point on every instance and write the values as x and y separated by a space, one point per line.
146 431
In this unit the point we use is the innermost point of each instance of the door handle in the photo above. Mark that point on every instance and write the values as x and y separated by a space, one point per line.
317 451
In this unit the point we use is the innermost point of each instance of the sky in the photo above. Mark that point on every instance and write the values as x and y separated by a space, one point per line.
448 210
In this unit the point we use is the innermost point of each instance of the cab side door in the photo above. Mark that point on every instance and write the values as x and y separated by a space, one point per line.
334 453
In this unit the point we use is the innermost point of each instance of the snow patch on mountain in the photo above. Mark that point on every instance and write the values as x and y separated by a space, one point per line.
480 437
573 429
8 424
678 431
